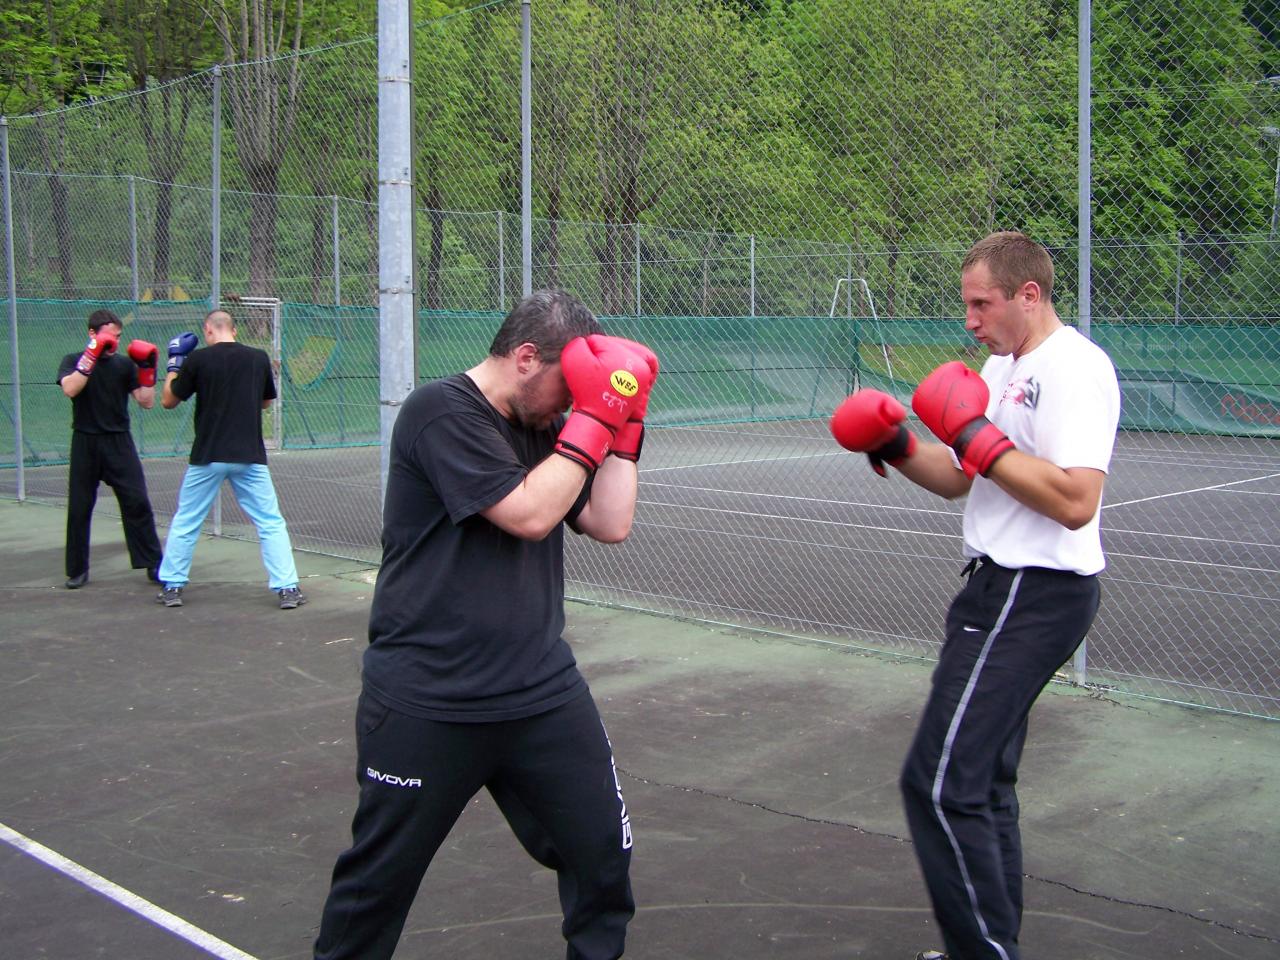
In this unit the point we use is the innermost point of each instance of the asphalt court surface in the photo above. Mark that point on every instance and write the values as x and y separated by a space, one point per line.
201 760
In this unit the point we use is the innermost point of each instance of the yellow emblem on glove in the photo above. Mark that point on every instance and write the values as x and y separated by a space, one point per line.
624 382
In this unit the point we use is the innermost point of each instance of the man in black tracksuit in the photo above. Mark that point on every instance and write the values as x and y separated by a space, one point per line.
99 382
468 682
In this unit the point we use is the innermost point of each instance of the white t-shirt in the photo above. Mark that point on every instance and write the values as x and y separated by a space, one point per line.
1060 402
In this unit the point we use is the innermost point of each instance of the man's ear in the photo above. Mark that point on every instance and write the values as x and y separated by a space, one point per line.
526 355
1030 293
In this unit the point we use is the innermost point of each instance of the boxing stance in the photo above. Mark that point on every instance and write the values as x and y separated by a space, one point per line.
99 383
468 682
232 384
1029 441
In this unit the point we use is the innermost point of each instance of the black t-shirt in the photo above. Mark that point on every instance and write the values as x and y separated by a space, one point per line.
103 405
467 619
230 380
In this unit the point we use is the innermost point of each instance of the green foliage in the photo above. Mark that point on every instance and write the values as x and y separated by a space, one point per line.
872 138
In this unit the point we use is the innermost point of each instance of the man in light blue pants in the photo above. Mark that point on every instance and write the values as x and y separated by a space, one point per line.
232 384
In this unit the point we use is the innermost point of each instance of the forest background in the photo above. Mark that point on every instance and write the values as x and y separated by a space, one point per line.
710 157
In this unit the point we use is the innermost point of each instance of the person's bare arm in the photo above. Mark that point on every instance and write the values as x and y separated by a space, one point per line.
610 510
1069 496
73 383
933 468
543 497
168 399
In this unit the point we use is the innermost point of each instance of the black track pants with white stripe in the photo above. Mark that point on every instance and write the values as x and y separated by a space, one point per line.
1007 632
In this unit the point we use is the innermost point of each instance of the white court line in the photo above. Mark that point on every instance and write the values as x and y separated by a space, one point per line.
1180 493
131 901
1188 536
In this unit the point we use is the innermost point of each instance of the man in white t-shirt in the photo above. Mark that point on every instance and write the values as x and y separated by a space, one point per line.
1029 441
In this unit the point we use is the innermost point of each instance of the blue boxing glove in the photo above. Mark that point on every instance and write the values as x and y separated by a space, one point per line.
179 347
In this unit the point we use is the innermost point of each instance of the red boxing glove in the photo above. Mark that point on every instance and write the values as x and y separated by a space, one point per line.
604 378
104 341
952 402
870 422
146 356
630 436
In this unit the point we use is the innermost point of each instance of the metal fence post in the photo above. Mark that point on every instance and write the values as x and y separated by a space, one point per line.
12 280
526 151
133 240
635 229
337 257
1177 280
1084 191
1273 133
1084 83
502 266
215 256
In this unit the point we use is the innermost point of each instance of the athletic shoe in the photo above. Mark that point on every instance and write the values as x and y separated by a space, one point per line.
290 598
170 597
75 583
931 955
153 573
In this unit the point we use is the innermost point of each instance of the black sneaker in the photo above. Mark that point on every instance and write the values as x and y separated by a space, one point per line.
75 583
931 955
170 597
153 573
290 598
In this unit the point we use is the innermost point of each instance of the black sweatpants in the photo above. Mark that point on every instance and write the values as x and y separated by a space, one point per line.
109 458
551 775
1007 632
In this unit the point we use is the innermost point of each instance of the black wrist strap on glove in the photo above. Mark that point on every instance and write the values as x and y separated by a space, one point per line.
896 449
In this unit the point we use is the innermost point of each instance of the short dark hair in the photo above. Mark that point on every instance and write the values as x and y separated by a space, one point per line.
100 318
548 319
1013 259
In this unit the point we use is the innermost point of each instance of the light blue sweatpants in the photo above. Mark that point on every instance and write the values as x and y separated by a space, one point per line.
251 484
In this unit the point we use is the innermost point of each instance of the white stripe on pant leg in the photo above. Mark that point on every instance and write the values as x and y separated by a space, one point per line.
945 760
143 908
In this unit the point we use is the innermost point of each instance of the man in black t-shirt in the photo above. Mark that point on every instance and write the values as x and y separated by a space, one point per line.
99 382
468 681
232 384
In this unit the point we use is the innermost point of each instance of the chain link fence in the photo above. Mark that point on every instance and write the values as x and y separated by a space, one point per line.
777 198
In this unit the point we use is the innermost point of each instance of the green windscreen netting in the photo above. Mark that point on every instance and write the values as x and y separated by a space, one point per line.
1213 379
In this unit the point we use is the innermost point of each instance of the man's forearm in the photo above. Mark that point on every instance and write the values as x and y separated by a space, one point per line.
168 399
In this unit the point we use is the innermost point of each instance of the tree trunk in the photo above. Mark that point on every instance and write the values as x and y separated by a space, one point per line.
62 229
164 217
263 207
319 232
369 188
435 252
630 214
609 267
553 236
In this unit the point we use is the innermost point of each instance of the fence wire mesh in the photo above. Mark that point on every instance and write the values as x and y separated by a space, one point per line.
777 198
